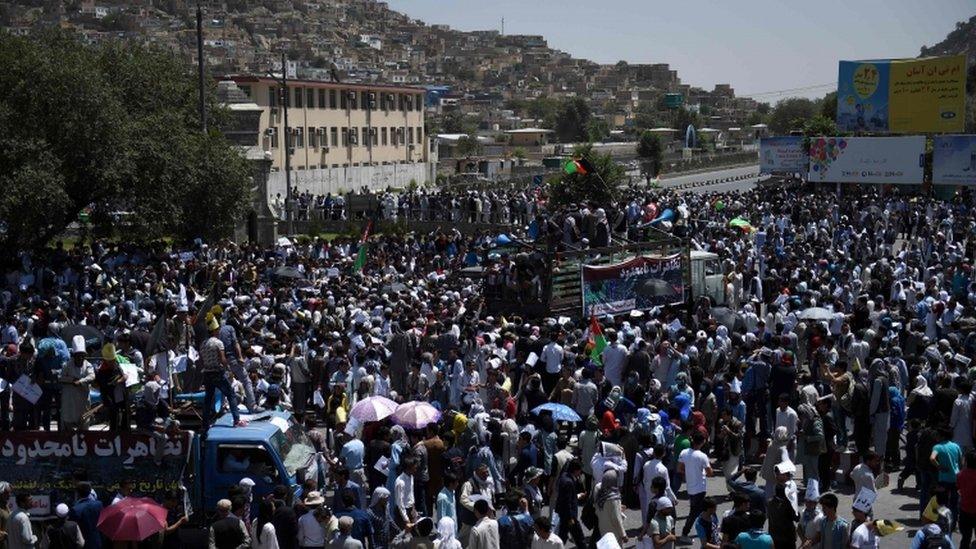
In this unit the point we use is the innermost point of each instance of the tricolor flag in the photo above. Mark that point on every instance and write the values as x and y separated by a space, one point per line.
361 256
596 342
574 166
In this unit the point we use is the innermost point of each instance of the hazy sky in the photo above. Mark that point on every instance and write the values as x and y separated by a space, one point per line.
758 46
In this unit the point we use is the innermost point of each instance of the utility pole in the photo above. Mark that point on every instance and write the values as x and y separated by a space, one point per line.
289 206
203 106
503 25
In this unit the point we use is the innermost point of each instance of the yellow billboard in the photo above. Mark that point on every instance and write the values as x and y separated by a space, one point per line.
903 95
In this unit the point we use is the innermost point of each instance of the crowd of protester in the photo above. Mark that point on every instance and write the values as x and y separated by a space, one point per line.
787 406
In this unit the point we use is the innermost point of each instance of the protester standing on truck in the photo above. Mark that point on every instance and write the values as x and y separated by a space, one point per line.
214 369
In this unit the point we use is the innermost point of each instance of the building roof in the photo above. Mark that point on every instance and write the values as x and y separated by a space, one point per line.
662 130
246 78
530 130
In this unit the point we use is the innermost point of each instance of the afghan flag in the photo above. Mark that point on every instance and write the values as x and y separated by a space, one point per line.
361 256
596 343
575 166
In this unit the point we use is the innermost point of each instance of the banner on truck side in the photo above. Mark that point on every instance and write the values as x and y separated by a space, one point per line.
641 283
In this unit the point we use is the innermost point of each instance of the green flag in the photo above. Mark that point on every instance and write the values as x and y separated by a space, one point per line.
360 258
597 342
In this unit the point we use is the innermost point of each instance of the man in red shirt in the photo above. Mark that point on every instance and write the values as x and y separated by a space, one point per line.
966 484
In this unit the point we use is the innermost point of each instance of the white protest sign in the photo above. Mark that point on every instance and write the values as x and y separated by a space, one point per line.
27 389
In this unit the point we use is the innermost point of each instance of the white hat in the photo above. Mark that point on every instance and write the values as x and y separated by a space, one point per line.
61 510
785 468
662 503
78 344
246 482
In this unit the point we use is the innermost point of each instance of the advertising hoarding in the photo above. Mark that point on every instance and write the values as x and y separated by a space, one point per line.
897 160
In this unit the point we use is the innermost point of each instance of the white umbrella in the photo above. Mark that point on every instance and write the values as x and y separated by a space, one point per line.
816 313
415 415
373 408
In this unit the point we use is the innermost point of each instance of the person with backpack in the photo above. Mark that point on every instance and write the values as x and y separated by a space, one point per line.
515 529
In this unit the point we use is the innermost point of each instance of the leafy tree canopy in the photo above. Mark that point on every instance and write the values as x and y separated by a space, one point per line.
109 128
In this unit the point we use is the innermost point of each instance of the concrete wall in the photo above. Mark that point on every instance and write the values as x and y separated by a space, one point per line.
333 180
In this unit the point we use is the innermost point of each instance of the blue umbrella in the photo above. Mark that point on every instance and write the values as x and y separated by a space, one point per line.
503 239
560 412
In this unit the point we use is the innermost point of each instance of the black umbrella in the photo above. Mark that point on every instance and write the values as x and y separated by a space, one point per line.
655 287
728 318
289 274
93 336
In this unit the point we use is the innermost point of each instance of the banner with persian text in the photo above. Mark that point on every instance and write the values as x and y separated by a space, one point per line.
954 160
902 95
897 160
641 283
782 154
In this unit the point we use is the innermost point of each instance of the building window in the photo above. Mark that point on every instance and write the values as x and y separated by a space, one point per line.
400 102
345 137
334 136
419 135
311 138
352 100
272 96
418 102
332 99
322 103
298 98
343 99
273 133
383 136
310 98
299 138
365 142
409 132
374 136
364 100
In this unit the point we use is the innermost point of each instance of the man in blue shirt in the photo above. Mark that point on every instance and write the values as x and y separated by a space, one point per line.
343 484
85 512
755 537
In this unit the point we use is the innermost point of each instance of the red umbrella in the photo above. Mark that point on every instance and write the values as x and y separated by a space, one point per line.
132 519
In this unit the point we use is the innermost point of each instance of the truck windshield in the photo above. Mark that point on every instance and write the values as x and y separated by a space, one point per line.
294 448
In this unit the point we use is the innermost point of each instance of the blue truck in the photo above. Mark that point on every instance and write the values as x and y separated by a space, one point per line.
272 449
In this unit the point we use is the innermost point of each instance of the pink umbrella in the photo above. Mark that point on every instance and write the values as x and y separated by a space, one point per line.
416 415
373 408
132 519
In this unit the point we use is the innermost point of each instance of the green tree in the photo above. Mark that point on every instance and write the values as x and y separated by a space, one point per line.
685 117
544 109
820 125
600 186
572 119
650 151
597 129
828 106
456 122
791 114
468 145
647 115
116 129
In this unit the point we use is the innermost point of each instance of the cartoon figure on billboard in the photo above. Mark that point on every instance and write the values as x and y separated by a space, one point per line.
862 96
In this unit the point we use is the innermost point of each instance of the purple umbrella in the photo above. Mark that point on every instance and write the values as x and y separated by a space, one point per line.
373 408
415 415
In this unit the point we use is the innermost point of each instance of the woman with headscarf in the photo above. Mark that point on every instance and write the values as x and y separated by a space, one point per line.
880 406
399 445
447 530
589 440
920 399
609 456
607 504
384 529
776 453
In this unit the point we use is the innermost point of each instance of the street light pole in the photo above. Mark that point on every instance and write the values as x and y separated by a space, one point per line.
287 142
203 105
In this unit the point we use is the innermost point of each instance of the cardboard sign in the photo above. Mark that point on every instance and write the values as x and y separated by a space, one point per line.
26 388
864 500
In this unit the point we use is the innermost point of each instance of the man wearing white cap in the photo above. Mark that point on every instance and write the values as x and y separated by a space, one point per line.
661 527
76 378
62 532
811 515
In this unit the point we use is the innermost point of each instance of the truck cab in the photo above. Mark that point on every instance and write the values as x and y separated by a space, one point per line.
272 449
707 277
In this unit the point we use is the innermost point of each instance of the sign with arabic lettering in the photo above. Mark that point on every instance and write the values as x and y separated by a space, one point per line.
902 95
44 464
898 160
641 283
954 160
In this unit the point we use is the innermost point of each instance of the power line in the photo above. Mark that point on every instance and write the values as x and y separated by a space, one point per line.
791 90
